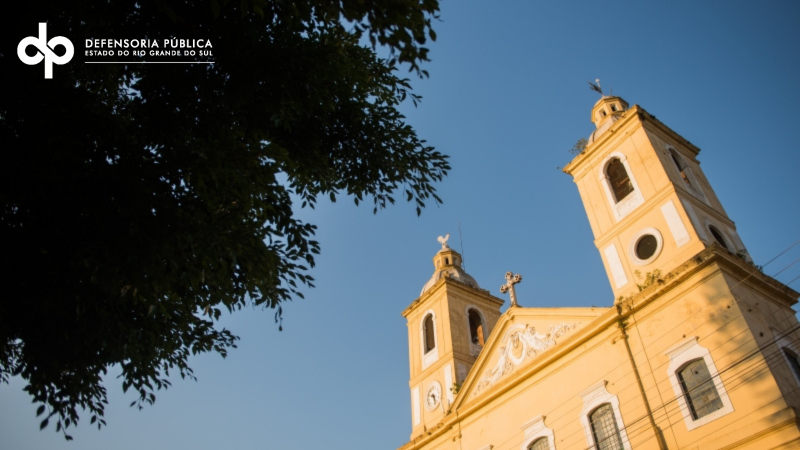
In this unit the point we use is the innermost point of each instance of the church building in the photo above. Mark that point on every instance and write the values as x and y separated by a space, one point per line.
698 351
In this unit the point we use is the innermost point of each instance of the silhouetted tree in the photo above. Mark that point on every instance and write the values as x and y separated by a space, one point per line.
139 200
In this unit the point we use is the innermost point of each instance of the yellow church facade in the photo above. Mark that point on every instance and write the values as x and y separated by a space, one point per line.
699 351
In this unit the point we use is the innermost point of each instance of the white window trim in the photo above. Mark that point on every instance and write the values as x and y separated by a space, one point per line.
633 200
433 355
784 343
474 349
695 187
680 354
593 397
635 240
535 429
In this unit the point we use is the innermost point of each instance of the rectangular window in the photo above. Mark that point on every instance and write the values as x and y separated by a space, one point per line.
699 389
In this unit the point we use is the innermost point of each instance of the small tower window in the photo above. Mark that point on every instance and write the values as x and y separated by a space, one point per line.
698 389
718 237
604 428
614 108
430 341
681 166
618 178
447 261
475 328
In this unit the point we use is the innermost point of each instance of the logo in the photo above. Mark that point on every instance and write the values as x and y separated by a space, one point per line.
45 50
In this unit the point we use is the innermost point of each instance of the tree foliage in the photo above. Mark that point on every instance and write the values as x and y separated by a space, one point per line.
138 201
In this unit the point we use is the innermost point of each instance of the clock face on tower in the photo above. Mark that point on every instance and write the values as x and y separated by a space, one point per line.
434 396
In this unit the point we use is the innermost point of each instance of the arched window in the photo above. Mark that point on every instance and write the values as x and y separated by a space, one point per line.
618 178
539 444
718 237
681 166
475 328
430 339
699 389
794 363
604 428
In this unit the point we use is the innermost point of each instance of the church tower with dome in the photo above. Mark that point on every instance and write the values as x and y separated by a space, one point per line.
448 326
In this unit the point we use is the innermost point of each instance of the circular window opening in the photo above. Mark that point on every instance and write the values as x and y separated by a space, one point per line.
646 247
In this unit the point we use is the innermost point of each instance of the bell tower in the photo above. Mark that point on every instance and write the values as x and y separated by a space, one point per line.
649 204
448 326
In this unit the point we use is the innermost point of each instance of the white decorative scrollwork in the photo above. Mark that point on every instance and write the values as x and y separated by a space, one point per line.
526 343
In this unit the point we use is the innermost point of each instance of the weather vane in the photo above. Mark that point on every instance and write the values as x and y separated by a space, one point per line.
596 87
443 240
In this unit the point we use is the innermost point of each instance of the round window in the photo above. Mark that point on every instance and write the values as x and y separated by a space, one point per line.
645 246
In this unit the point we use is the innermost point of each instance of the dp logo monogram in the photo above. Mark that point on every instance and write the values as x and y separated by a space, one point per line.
45 51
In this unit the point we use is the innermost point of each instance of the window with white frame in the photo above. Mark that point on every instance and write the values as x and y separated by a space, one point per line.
789 353
718 237
476 324
430 338
619 180
683 170
645 246
537 435
701 395
604 428
620 185
685 173
698 389
794 363
540 444
428 341
602 419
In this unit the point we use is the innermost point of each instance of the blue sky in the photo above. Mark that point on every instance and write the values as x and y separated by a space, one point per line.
507 98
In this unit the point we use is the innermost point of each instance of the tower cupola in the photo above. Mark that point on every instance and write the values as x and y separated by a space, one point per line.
605 112
447 263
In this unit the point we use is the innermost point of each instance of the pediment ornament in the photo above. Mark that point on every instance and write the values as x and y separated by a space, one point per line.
520 344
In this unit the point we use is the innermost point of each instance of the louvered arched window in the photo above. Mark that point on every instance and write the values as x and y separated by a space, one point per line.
681 165
718 237
430 339
475 328
619 180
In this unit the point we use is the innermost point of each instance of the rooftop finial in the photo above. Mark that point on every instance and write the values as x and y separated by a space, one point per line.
596 87
443 240
511 280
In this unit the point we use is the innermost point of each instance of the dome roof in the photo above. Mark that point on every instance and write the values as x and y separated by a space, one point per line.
454 273
448 265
